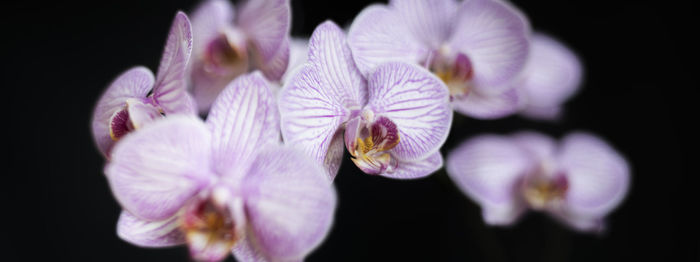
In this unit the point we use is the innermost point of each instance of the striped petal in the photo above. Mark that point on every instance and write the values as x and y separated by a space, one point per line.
417 168
417 102
243 119
495 38
552 75
170 90
598 175
378 35
486 105
430 21
135 83
267 25
144 233
289 202
155 170
489 169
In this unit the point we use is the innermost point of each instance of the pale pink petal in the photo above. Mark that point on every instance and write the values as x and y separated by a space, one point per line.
267 25
144 233
417 102
495 38
411 169
488 105
378 35
552 75
489 169
170 90
298 56
538 146
598 175
430 21
243 119
209 21
289 202
134 83
155 170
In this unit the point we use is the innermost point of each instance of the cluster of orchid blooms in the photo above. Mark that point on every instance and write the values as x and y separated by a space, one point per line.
255 177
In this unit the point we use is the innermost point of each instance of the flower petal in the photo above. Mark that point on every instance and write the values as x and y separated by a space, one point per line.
243 119
430 21
208 22
417 102
494 36
290 203
155 170
267 25
488 106
552 75
416 168
144 233
598 175
538 146
488 169
277 66
378 35
298 56
170 90
134 83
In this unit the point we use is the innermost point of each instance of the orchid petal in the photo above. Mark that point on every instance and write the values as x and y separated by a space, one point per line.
552 75
494 36
289 202
598 176
538 146
430 21
243 119
488 106
378 35
208 22
278 64
267 23
298 50
141 114
155 170
488 169
144 233
417 102
170 90
246 251
134 83
416 168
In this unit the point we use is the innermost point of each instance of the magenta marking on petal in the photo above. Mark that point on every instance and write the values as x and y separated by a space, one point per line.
119 124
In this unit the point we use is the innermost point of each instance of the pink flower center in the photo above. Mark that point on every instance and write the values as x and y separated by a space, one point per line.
371 145
226 55
209 229
545 192
457 73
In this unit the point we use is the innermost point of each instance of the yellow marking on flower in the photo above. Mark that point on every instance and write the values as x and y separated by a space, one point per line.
541 194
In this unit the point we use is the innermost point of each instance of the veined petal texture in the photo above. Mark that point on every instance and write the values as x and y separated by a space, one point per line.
170 90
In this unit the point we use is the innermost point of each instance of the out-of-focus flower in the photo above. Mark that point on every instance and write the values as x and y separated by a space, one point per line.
477 47
393 122
578 181
224 185
228 43
551 76
135 98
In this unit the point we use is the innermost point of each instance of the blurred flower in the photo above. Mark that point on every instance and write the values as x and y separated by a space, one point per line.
228 43
223 185
298 48
393 122
477 47
578 181
552 75
135 98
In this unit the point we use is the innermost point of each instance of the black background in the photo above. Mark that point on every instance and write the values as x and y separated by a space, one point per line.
58 58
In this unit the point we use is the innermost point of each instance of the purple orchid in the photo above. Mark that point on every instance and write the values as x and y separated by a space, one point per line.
224 185
477 47
135 98
578 181
552 75
228 43
393 122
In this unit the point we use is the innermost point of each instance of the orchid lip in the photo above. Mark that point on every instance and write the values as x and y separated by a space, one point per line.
226 54
371 141
542 192
209 228
457 73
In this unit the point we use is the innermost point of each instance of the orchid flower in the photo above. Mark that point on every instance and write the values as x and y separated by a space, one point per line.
578 181
224 185
477 47
228 43
393 123
552 75
135 99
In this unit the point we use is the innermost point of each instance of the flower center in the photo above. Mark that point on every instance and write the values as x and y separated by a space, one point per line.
370 141
457 73
209 230
132 116
227 54
541 192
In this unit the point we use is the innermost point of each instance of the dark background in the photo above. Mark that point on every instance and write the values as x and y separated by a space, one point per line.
58 58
